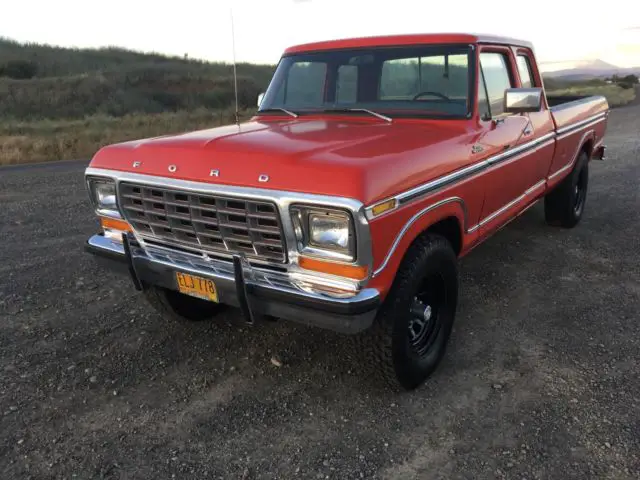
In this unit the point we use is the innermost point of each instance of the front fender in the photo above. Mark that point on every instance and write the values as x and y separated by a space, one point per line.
392 234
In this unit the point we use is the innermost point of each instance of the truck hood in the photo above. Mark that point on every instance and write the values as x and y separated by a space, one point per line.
347 157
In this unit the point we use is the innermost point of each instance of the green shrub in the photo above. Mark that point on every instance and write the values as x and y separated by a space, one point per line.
18 69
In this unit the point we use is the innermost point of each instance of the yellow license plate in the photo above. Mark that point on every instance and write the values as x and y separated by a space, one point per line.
197 286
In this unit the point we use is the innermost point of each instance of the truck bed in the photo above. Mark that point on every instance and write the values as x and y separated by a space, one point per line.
568 110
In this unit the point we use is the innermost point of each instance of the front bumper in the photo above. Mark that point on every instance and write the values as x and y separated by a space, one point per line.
255 291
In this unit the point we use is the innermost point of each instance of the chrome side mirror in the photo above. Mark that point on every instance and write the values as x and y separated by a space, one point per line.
260 97
522 100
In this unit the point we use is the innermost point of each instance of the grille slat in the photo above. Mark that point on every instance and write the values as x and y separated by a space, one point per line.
209 223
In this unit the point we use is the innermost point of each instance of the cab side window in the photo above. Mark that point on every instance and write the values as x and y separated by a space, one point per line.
495 72
524 70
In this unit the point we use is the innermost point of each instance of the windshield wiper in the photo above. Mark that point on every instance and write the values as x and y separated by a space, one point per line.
278 109
370 112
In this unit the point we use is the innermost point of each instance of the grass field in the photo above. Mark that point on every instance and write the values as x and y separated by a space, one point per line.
616 96
50 140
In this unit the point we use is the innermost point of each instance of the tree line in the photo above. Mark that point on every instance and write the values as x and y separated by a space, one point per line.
41 81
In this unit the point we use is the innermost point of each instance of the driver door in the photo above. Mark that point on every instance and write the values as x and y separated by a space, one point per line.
508 177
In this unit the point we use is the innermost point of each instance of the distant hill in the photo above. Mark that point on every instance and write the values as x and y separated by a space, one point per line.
591 69
42 81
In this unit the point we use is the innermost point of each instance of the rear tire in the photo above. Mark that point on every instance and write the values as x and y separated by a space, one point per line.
179 307
564 206
410 333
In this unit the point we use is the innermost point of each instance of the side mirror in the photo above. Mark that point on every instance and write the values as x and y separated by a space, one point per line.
522 100
260 97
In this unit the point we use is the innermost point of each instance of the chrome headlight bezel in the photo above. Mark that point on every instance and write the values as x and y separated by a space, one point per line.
339 245
103 196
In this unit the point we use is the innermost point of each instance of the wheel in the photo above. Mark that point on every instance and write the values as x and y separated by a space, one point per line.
180 307
410 333
564 206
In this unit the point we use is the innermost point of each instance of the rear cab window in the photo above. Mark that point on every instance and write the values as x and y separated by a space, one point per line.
525 72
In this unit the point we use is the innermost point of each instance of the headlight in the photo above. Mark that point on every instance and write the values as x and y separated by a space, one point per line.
323 232
103 196
329 230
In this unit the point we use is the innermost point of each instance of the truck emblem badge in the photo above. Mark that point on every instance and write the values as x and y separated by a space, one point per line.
172 168
477 149
214 173
263 178
136 164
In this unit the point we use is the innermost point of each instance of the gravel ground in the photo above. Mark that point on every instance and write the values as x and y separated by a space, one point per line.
541 379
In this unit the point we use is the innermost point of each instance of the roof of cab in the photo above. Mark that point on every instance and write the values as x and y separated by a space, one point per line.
410 39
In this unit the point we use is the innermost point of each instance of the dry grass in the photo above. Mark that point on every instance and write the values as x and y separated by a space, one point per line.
616 96
50 140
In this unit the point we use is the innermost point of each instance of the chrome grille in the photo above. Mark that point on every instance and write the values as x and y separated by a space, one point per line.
210 223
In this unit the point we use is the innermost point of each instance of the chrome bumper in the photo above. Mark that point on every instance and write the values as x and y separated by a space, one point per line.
256 291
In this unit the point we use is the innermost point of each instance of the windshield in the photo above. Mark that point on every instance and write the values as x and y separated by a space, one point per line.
431 81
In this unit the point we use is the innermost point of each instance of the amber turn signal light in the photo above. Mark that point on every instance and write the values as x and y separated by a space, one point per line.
114 224
357 272
383 207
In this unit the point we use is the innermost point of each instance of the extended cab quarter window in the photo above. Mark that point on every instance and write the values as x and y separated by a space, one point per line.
495 71
524 70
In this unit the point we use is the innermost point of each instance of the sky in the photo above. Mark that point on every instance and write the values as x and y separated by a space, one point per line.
563 31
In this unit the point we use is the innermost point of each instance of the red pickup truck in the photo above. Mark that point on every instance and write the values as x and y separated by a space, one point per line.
370 167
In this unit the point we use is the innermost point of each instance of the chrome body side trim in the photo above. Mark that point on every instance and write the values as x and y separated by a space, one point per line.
506 207
521 148
413 220
582 123
283 200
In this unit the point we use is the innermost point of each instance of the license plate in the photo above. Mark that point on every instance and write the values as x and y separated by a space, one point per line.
197 286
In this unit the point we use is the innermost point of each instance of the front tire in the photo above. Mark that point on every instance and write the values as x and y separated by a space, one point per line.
412 328
564 206
179 307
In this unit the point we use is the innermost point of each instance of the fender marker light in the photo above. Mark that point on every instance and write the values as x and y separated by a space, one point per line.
380 208
357 272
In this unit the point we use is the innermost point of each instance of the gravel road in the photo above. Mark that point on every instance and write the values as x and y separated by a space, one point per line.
541 379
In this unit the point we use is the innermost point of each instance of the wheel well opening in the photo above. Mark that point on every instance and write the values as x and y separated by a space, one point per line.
450 229
588 147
